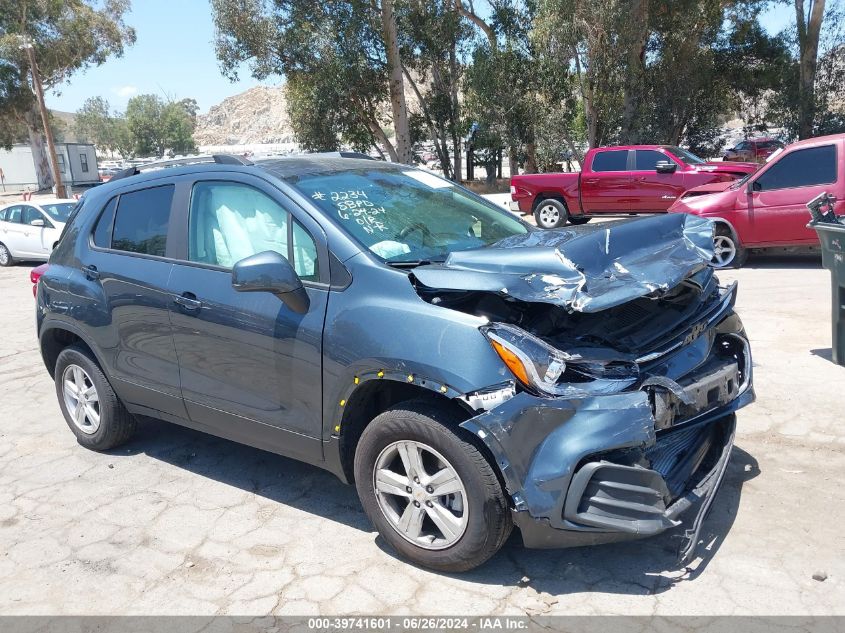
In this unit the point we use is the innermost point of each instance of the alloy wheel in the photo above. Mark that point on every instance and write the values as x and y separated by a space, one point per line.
724 251
81 399
4 255
549 216
421 494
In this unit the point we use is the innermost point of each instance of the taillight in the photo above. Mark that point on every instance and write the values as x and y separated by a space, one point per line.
513 190
35 275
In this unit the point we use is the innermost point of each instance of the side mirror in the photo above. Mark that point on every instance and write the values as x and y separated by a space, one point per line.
270 272
666 167
37 222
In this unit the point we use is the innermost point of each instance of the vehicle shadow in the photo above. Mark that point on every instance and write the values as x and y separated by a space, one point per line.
795 261
636 567
823 352
274 477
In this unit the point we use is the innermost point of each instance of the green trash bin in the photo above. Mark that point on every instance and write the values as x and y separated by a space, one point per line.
831 232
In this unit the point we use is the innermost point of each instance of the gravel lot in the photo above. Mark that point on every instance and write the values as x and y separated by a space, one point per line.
178 522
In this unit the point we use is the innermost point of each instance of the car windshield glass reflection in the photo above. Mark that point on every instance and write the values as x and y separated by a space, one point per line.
407 216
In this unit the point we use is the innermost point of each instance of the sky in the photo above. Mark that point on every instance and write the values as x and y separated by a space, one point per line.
174 58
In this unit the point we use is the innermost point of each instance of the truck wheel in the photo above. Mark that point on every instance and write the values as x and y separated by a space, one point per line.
91 408
727 251
550 213
430 493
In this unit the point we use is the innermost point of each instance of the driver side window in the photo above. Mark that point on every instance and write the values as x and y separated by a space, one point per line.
230 221
30 214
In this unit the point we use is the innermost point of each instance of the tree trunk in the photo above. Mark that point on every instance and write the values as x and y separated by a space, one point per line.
634 69
455 112
401 125
437 133
38 146
513 159
381 137
808 47
531 157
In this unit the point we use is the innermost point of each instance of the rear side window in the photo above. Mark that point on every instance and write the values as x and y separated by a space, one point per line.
647 159
801 168
102 232
141 219
611 161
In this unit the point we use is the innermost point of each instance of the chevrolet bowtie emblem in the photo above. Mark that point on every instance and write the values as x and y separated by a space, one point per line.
696 331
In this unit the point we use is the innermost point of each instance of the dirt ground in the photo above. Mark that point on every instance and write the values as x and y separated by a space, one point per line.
178 522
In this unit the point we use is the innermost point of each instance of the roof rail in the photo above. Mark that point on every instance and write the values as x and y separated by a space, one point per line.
219 159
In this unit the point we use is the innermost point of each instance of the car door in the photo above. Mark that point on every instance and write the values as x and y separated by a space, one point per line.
776 198
654 192
11 232
247 358
122 295
35 237
606 184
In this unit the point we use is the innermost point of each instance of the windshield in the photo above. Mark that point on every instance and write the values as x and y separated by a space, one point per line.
58 211
407 216
688 157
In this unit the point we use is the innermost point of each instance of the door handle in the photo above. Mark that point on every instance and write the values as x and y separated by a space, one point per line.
91 272
188 301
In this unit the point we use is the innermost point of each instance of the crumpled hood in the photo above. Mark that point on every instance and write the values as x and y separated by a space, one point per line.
583 269
711 187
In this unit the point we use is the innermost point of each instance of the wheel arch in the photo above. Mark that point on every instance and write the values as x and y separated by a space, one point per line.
372 397
55 337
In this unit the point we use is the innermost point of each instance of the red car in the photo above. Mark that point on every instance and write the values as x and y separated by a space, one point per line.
756 150
618 181
35 275
768 209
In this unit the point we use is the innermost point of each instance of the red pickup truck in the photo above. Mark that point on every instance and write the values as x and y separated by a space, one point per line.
618 180
769 208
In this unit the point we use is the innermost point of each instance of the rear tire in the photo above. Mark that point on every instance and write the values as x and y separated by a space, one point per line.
473 507
727 251
6 258
550 213
91 408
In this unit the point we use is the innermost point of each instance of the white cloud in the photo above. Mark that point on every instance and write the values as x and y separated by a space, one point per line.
124 92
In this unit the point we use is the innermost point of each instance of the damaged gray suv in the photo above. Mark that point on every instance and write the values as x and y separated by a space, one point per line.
466 371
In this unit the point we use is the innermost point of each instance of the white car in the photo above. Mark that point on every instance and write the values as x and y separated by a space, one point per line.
29 230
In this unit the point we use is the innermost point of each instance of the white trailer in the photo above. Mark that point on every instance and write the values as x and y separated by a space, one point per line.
77 163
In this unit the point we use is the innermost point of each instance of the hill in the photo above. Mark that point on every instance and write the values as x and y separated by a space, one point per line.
258 115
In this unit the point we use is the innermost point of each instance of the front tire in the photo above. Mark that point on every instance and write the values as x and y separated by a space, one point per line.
92 410
430 493
550 213
727 251
6 258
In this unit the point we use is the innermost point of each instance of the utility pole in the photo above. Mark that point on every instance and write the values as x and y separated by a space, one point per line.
45 119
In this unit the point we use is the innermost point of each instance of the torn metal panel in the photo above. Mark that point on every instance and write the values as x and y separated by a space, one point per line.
583 269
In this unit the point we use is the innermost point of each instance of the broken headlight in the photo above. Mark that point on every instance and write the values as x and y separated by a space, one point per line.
534 362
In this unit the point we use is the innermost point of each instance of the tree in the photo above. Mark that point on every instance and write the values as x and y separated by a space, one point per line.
332 51
67 36
809 24
157 126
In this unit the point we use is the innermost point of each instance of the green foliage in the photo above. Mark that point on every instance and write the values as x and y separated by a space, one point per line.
67 36
156 126
331 54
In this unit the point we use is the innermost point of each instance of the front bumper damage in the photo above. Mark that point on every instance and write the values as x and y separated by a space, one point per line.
605 468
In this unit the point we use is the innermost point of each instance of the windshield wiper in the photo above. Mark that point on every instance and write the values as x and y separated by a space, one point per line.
414 263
